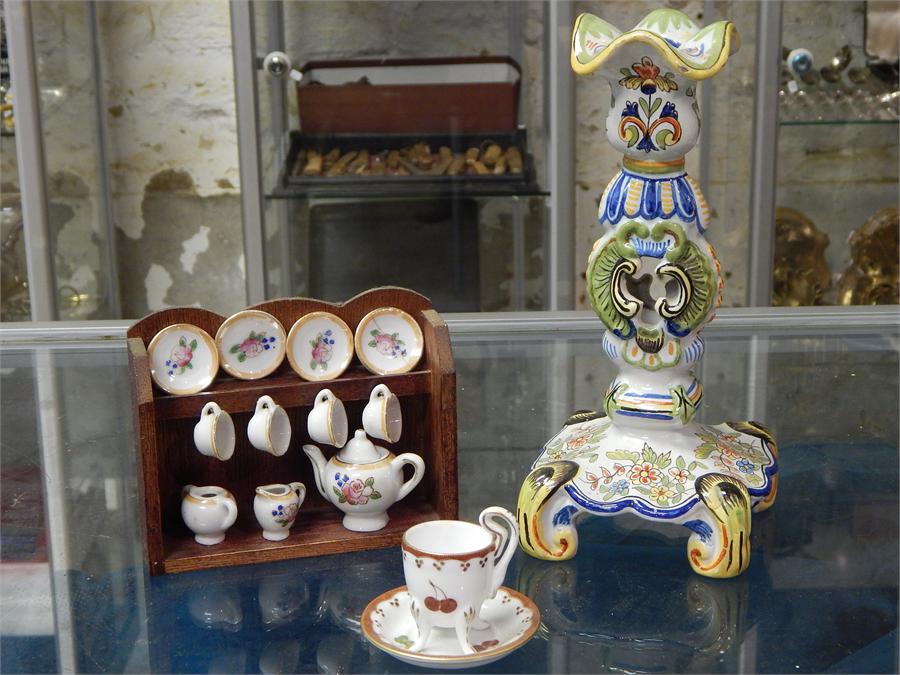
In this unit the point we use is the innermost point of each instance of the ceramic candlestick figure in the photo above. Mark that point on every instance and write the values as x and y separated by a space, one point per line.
654 281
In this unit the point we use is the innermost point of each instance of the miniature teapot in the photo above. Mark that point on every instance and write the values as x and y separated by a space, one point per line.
364 480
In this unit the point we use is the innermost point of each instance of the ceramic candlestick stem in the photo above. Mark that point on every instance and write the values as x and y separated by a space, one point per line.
654 281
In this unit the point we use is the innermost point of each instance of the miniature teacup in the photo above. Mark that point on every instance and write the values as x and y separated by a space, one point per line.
214 433
269 429
208 511
276 508
327 421
452 567
381 416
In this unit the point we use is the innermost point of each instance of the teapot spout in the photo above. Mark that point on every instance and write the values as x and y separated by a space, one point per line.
319 463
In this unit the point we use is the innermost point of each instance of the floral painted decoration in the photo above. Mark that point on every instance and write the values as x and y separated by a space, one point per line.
254 345
388 344
665 129
647 78
356 492
581 443
647 473
285 516
180 358
322 350
733 456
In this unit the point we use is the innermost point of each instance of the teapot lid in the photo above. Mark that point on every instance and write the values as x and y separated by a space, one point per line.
360 450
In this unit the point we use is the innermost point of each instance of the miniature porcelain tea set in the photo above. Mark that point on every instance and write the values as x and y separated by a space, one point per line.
363 480
251 344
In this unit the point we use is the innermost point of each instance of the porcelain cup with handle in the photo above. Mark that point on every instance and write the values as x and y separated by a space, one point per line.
452 567
381 416
269 429
327 421
214 432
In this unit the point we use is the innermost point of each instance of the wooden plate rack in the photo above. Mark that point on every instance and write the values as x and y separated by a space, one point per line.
169 460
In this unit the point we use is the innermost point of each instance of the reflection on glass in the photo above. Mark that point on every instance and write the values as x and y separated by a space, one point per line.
838 159
14 301
430 195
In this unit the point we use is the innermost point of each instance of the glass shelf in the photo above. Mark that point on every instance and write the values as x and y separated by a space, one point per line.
450 190
805 123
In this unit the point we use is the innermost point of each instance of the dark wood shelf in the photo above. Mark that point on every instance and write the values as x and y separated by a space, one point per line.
289 390
169 460
316 532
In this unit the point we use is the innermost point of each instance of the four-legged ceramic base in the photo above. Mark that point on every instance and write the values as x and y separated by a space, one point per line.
706 478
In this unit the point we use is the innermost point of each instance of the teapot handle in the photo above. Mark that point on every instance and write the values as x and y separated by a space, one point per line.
506 541
418 465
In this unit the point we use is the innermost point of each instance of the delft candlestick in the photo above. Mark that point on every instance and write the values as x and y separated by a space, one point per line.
654 281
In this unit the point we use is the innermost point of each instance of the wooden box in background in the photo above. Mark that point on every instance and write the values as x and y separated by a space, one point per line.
456 95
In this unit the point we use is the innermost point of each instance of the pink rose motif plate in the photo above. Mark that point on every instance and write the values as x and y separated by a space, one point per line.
251 344
389 341
183 359
320 346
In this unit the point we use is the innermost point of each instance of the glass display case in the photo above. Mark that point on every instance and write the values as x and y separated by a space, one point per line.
836 218
77 595
463 227
176 184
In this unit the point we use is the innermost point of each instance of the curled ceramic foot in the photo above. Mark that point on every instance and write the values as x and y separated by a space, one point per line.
720 544
756 429
544 512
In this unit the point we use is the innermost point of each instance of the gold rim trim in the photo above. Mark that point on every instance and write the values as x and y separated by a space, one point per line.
645 166
210 345
215 446
209 500
369 632
669 53
294 332
233 319
371 465
274 411
261 492
359 340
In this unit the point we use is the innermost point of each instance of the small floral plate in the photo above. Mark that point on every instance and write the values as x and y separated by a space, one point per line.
183 359
320 346
251 344
509 618
389 341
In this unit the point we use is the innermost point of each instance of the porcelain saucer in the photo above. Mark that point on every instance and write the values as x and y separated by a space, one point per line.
389 341
183 359
387 622
320 346
251 344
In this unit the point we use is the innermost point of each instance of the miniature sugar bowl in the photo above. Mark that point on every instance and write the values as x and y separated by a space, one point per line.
208 512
